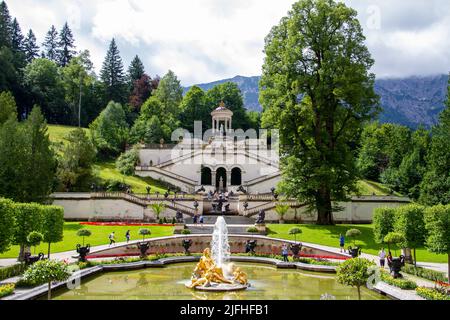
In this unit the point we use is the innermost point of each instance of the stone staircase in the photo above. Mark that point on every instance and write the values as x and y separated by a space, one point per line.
236 225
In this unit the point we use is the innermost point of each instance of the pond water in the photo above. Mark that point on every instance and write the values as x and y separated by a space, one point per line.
267 283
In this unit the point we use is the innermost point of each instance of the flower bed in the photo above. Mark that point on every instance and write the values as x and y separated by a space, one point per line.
428 274
126 224
432 294
6 290
399 283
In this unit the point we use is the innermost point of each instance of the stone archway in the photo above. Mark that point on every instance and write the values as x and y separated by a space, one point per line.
206 177
236 177
221 173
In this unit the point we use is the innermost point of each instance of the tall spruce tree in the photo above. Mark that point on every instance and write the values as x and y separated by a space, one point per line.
5 26
66 46
30 47
50 45
112 75
317 89
136 70
17 38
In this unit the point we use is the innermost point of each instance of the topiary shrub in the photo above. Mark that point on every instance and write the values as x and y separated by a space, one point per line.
144 232
84 233
353 234
355 273
186 231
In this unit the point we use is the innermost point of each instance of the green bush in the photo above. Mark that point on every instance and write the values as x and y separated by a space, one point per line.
432 294
12 271
7 221
399 283
252 230
428 274
186 231
44 271
127 161
355 273
6 290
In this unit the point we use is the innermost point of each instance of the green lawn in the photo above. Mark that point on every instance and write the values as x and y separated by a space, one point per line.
366 187
329 236
58 133
108 171
99 237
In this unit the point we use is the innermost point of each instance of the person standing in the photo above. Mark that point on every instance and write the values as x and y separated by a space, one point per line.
285 253
382 256
195 219
342 242
201 220
111 238
127 235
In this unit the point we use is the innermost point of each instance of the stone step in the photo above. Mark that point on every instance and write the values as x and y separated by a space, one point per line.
230 220
210 230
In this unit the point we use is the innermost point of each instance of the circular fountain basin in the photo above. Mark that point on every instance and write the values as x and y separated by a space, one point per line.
221 287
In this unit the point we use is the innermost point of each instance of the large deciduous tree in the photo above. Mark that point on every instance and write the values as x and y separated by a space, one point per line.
43 79
317 89
110 130
170 93
437 224
8 107
75 165
194 107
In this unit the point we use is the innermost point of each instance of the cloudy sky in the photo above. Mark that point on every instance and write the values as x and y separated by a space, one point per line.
207 40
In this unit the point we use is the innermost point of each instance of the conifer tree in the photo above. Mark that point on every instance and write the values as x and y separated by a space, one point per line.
136 70
30 47
66 46
5 26
50 45
17 38
112 75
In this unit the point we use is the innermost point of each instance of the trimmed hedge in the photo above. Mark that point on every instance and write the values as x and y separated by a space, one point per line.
432 294
12 271
399 283
6 290
428 274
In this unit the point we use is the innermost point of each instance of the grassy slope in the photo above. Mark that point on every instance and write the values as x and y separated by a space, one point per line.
99 237
329 236
107 170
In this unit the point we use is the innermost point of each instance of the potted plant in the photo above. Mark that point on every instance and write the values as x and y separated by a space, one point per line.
354 251
281 210
83 250
395 263
296 247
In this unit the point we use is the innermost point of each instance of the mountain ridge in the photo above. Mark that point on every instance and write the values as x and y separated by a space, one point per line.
410 101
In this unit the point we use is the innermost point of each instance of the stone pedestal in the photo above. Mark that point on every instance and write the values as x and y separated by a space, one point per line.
179 227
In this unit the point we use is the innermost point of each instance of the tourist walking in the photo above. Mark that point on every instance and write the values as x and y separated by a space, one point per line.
285 253
195 219
201 220
111 238
389 261
127 235
382 256
342 242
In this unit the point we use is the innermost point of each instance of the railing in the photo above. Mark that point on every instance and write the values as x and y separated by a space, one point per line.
269 206
167 174
260 197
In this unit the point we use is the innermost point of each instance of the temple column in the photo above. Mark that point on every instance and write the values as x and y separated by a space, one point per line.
228 179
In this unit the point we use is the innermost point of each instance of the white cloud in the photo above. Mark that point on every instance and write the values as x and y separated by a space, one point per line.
206 40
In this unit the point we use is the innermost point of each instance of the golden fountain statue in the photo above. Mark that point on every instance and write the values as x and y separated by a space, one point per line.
207 273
